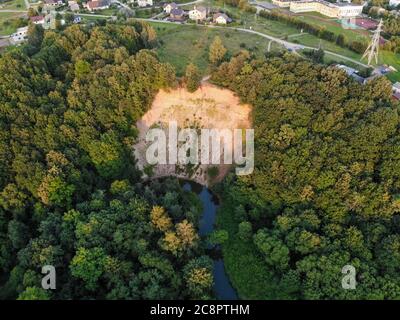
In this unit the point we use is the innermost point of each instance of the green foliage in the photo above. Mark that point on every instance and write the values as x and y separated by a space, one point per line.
88 265
70 194
217 51
245 230
218 237
192 77
34 293
324 193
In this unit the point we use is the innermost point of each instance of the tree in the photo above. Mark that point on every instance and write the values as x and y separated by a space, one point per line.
88 265
35 37
192 77
186 233
218 237
245 230
34 293
160 219
217 51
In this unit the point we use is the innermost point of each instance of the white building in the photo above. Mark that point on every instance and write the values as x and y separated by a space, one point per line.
169 6
37 19
394 3
333 10
221 18
198 13
145 3
19 36
73 6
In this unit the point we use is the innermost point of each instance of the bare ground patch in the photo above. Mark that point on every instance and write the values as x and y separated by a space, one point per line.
209 107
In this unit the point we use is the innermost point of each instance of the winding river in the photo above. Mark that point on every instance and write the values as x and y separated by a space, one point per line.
222 286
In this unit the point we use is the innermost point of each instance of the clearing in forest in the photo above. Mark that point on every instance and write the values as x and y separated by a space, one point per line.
209 107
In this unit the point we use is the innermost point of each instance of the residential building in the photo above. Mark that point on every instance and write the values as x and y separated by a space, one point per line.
177 14
145 3
37 19
221 18
282 3
198 13
53 3
19 36
333 10
169 6
352 73
97 5
73 6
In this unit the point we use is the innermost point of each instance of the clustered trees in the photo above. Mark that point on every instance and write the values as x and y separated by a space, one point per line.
70 195
318 31
325 190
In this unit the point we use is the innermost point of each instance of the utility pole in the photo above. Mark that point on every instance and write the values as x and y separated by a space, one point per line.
373 48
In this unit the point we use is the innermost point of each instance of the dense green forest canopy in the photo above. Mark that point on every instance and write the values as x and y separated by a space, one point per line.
70 195
324 193
325 190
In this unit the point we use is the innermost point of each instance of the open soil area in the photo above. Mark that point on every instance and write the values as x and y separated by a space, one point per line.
209 107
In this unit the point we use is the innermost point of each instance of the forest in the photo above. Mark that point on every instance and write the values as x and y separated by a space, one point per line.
325 190
70 195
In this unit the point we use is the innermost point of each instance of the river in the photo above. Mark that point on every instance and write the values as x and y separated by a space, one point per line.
222 286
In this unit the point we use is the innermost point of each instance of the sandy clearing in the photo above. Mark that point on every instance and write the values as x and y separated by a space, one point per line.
209 107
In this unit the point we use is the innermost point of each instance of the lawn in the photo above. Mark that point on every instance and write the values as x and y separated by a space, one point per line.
13 5
6 25
182 44
336 28
393 60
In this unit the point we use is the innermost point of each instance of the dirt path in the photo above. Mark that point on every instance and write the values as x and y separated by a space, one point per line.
209 107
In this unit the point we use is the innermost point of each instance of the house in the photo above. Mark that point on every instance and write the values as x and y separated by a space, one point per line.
351 72
97 5
37 19
221 18
177 14
198 13
73 6
169 6
394 3
145 3
19 36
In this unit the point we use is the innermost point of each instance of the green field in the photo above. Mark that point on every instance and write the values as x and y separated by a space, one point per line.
393 60
13 5
335 27
182 44
6 25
